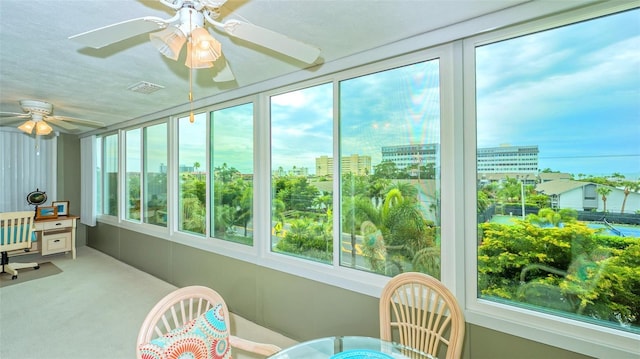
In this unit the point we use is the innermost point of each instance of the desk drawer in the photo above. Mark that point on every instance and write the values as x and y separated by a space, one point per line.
56 243
62 223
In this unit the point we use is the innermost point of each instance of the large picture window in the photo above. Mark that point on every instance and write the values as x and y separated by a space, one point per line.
301 140
155 174
133 174
110 172
558 167
389 168
192 183
232 180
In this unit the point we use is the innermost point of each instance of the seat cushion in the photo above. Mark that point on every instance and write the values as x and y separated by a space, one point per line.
204 337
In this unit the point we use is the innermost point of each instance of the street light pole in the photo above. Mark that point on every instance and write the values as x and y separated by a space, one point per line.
522 196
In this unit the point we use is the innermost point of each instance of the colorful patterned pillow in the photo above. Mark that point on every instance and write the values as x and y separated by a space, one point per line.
206 337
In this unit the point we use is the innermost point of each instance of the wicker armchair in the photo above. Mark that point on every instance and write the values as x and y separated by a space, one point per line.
189 319
418 311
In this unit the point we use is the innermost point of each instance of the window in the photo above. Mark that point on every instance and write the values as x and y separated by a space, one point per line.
301 178
569 246
99 173
133 174
155 174
192 139
110 180
232 179
389 168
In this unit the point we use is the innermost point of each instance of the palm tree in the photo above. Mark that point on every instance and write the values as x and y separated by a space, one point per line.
628 188
604 191
545 216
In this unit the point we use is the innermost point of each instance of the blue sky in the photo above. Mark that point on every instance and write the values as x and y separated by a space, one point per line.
573 91
394 107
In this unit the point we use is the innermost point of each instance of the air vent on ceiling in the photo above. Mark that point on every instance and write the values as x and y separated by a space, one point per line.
145 87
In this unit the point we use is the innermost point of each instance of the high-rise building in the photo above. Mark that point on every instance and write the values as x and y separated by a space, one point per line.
411 155
506 158
356 164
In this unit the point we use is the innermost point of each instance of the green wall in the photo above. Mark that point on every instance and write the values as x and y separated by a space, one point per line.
298 308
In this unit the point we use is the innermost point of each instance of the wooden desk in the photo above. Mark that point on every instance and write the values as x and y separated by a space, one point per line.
56 235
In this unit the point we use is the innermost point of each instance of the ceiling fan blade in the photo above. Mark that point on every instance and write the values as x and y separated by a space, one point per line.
14 115
65 125
213 4
7 121
224 74
57 119
110 34
272 40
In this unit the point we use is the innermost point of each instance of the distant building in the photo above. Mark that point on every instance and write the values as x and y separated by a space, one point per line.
356 164
299 171
583 196
295 171
516 159
499 178
527 178
554 176
186 168
411 155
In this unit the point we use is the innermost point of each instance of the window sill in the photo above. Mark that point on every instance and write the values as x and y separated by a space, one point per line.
572 335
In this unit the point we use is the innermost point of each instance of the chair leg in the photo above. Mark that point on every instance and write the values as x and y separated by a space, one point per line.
12 268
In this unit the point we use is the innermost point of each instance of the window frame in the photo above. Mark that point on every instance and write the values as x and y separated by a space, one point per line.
101 214
333 273
128 135
569 334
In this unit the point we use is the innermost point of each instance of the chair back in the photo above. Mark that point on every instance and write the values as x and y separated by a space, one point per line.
16 230
418 311
188 304
177 309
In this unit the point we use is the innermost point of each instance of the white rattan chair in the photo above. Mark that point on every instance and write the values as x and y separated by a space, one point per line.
184 305
16 233
418 311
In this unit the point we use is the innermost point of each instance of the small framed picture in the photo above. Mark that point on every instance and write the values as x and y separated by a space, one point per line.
45 212
62 207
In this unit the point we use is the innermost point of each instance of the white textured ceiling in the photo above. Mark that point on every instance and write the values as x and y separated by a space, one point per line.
37 61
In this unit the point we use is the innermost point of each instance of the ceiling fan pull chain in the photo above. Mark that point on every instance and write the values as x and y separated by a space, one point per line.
191 118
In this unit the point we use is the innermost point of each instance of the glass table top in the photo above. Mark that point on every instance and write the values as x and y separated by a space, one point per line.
349 347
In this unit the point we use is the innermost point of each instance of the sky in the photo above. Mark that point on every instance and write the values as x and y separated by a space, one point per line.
572 91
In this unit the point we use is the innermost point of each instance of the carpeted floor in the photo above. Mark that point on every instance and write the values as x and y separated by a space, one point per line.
24 275
92 309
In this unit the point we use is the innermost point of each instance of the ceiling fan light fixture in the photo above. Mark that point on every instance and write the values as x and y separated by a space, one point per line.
27 127
204 46
42 128
193 62
169 41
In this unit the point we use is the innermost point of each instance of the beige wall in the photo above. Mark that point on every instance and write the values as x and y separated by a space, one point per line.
68 186
299 308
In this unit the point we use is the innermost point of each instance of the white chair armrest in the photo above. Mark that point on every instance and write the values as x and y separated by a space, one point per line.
253 347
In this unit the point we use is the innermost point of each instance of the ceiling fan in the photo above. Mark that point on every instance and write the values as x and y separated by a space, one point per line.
38 113
188 25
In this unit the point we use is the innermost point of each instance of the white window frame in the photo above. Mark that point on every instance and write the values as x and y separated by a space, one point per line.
573 335
334 274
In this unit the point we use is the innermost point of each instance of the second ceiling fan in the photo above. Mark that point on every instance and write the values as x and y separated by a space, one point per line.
188 26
